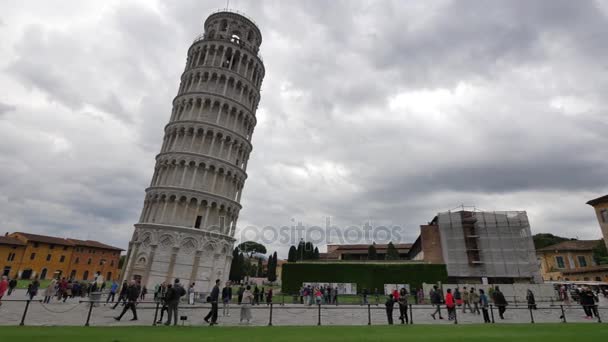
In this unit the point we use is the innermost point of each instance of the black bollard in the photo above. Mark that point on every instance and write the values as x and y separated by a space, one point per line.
492 312
319 322
531 316
270 319
563 314
27 305
89 315
156 313
599 320
369 315
411 315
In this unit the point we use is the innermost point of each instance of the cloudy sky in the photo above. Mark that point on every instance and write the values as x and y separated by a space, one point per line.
387 112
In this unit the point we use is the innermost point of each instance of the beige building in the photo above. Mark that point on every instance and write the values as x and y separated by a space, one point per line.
360 251
571 260
600 205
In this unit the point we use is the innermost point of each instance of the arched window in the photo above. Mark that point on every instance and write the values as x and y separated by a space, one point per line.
224 25
43 274
85 275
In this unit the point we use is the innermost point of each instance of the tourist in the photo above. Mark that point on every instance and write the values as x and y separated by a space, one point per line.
318 296
483 301
310 294
226 298
269 296
32 289
132 294
112 293
377 295
403 306
420 296
246 303
172 298
500 301
3 287
474 298
11 286
122 296
261 295
435 296
390 303
396 295
191 294
364 296
162 299
466 300
530 299
450 305
240 293
50 291
457 297
327 295
256 295
213 298
301 293
335 296
144 292
587 300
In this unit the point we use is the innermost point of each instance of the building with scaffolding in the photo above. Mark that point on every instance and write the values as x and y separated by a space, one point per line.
477 246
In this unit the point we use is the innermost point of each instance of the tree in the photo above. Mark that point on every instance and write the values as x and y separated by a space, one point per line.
543 240
300 250
251 248
259 272
308 251
235 267
391 252
315 254
600 254
292 256
121 261
272 267
371 253
243 266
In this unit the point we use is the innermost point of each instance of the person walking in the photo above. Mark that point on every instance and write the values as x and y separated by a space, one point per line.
50 291
172 297
457 297
389 304
466 300
246 303
162 299
215 293
474 298
33 289
403 306
365 296
450 305
377 295
12 284
256 295
500 301
112 293
530 299
131 296
226 299
122 296
3 287
144 292
483 301
436 301
191 294
240 294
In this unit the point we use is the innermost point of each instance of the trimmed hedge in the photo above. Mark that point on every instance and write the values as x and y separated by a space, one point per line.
365 275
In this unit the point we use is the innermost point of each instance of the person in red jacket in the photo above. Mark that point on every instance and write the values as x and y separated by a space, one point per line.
396 295
3 287
450 305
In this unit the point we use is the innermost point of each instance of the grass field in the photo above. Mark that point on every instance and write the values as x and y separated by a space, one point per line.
485 333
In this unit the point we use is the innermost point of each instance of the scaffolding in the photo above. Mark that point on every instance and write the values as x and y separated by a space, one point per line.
479 244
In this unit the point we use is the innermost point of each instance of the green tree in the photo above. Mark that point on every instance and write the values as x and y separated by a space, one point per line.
272 267
600 254
371 253
235 267
292 256
251 247
300 250
259 272
543 240
308 251
391 252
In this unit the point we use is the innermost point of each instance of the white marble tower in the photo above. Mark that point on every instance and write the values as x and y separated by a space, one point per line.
188 221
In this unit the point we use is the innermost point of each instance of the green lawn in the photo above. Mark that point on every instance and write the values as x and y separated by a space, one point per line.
485 333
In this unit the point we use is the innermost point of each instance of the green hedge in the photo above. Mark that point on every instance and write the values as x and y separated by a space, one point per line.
366 275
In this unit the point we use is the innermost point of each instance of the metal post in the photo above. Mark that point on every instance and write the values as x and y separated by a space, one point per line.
319 322
156 313
563 314
531 316
89 315
599 320
270 319
369 315
411 315
27 305
492 312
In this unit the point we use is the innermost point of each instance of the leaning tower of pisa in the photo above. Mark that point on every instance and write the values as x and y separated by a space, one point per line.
190 211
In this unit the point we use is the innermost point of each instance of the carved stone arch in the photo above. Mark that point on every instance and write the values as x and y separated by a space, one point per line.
166 241
141 260
188 245
146 240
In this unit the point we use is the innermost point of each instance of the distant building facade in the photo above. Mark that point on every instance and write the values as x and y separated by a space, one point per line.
29 256
571 261
600 205
360 252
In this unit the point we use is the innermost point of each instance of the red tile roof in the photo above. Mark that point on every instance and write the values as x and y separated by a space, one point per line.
603 199
94 244
7 240
45 239
571 245
379 247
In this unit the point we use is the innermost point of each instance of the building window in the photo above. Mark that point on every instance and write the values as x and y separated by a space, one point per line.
109 276
36 245
48 257
89 261
85 275
32 256
604 215
51 246
102 261
560 262
62 259
11 257
111 263
582 262
197 223
77 260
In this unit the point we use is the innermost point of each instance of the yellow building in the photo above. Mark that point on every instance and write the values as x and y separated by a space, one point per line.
11 254
600 205
45 257
571 260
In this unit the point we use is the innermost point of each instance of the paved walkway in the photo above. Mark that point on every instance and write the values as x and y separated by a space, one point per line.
74 313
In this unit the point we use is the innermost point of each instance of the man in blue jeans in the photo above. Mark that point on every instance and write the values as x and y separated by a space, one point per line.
112 293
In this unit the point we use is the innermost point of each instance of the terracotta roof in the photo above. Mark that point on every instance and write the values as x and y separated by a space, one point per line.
7 240
94 244
379 247
571 245
45 239
603 199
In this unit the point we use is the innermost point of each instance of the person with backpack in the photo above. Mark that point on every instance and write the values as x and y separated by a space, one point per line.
122 296
173 295
500 301
131 297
